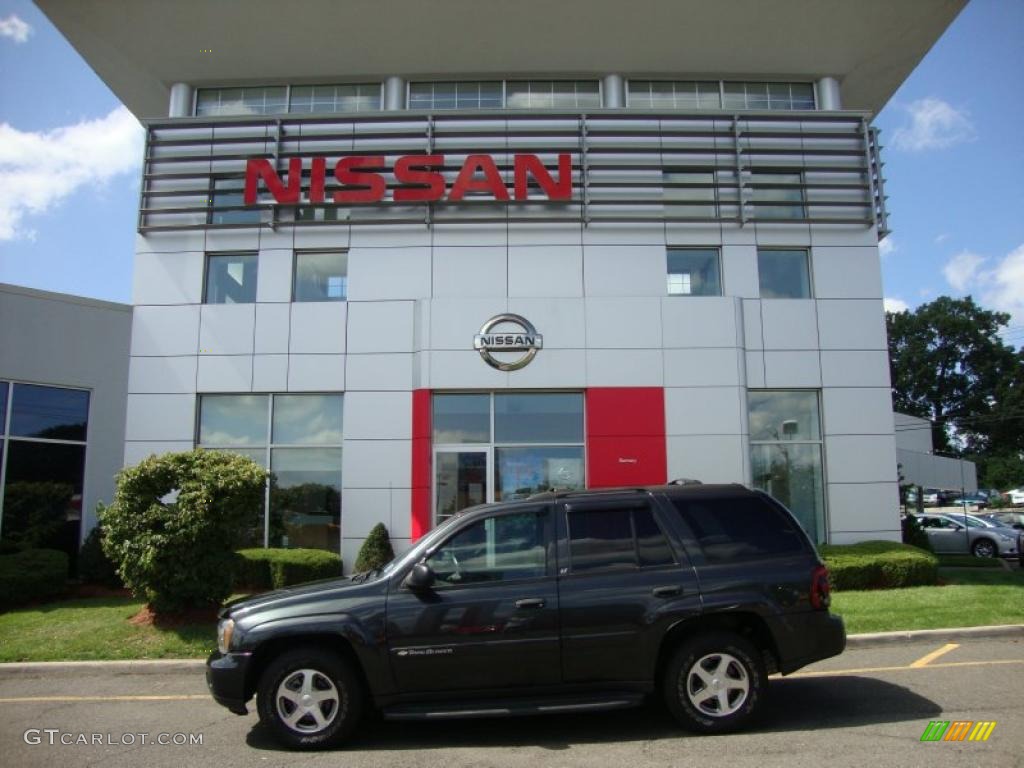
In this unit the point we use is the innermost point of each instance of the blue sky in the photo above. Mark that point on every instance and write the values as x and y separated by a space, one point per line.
69 166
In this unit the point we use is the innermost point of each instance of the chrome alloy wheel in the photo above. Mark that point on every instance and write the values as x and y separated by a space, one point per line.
307 701
717 685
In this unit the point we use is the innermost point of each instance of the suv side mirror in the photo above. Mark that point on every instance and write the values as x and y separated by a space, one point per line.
421 577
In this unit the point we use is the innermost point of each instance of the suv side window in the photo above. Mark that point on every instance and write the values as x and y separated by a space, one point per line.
739 528
623 538
498 548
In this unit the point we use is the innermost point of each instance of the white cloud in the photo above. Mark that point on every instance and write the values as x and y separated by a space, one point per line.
15 28
40 170
941 238
1003 285
962 270
892 304
934 124
887 247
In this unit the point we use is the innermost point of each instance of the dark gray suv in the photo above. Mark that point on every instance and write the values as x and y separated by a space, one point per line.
564 602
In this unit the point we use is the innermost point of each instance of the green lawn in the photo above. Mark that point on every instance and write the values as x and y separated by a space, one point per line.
96 628
99 628
969 598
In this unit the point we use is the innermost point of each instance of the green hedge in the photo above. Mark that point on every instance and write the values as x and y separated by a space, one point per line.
32 574
260 569
879 565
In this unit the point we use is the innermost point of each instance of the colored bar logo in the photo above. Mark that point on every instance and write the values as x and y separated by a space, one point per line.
958 730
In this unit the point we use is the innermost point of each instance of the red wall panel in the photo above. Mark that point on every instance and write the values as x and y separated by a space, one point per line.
421 462
625 436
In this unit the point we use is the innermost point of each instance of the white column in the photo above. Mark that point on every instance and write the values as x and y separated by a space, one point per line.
828 94
394 93
181 100
614 91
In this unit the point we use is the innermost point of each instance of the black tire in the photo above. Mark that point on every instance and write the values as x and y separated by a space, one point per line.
984 548
340 708
683 684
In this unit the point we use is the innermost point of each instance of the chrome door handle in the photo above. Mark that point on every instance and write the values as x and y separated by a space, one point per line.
667 591
530 602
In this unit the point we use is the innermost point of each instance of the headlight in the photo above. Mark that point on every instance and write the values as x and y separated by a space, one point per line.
225 629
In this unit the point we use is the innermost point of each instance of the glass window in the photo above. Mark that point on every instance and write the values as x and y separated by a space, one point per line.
307 419
765 95
227 203
500 548
3 407
230 278
538 417
786 452
353 97
43 494
694 272
783 274
267 100
651 545
305 498
469 94
321 276
601 539
522 472
552 94
674 94
460 481
777 195
741 528
690 194
462 418
232 420
48 412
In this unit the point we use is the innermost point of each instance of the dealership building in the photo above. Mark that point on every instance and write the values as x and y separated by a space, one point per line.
412 257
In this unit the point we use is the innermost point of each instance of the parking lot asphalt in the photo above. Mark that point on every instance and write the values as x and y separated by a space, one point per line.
867 707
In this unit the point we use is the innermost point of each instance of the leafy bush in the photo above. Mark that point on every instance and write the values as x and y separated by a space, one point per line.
376 550
914 535
178 554
260 569
879 565
32 574
94 567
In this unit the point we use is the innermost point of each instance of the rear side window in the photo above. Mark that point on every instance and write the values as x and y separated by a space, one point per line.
616 539
739 528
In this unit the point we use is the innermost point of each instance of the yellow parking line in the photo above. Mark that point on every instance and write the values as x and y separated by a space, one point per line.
941 665
925 660
182 697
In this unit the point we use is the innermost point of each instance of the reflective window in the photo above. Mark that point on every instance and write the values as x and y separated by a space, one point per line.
538 417
784 274
321 276
690 194
469 94
522 472
351 97
552 94
305 498
674 94
500 548
460 481
48 412
763 95
777 195
230 278
307 419
616 539
232 420
741 528
3 406
694 272
786 453
267 100
227 203
462 418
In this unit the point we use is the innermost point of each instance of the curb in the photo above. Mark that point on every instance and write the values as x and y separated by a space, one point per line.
876 639
163 666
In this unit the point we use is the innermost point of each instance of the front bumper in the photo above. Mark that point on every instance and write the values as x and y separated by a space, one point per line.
225 677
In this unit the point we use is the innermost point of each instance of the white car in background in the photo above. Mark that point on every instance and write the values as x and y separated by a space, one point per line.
1016 496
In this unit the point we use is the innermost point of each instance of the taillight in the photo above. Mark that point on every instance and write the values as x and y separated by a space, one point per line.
821 590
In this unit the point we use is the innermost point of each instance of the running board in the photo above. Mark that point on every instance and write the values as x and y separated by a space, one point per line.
513 707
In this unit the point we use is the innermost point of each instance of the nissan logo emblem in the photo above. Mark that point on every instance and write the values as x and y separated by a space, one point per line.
524 339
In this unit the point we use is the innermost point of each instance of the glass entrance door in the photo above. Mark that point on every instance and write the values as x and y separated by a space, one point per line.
460 480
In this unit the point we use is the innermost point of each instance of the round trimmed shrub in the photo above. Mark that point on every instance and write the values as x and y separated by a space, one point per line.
175 523
376 550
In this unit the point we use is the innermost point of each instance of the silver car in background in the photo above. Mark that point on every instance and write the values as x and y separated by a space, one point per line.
966 534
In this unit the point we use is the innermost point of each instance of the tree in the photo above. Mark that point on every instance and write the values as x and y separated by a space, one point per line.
376 550
950 366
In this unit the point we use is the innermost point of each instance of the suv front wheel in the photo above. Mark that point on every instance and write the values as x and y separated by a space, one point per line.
309 698
715 682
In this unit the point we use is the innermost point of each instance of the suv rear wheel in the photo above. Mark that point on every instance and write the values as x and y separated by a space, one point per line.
715 682
309 698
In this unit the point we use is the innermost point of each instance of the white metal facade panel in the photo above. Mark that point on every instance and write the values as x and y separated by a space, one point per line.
168 278
227 329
